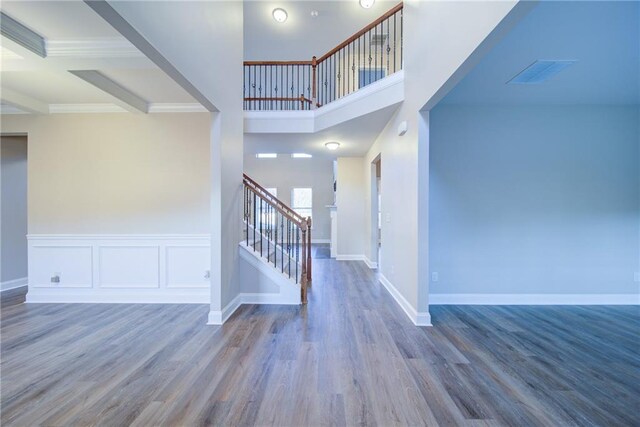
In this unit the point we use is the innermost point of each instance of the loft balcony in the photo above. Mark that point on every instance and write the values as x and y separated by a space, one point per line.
364 60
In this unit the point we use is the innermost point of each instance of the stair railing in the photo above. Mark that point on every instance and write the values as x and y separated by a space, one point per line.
277 233
369 55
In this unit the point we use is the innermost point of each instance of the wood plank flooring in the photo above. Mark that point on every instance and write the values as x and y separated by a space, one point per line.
350 358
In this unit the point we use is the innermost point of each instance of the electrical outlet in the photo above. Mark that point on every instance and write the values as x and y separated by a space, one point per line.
636 277
388 217
207 274
55 279
434 276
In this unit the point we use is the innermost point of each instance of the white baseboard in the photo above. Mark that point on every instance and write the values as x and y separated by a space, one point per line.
350 257
219 317
372 265
12 284
318 241
534 299
418 318
67 296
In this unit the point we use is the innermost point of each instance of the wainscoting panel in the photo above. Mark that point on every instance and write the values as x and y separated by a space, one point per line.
129 267
188 266
119 268
73 265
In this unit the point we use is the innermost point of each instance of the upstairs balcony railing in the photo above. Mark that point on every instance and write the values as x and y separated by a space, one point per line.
369 55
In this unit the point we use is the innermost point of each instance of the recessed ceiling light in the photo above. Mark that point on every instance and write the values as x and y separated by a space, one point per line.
279 14
301 156
332 145
266 155
367 3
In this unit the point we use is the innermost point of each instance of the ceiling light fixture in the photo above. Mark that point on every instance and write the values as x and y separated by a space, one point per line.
332 145
279 14
367 3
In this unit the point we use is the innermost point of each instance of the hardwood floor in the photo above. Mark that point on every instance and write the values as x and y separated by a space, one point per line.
350 358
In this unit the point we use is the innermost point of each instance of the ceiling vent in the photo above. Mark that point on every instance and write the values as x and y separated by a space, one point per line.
539 72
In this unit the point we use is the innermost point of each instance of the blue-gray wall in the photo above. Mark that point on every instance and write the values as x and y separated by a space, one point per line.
534 199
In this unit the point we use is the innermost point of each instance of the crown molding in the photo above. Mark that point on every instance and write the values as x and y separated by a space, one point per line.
85 108
176 108
112 47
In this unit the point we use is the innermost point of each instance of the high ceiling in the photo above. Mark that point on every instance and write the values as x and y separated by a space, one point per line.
302 35
604 38
355 137
78 39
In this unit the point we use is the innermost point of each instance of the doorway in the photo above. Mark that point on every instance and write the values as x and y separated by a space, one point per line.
376 212
13 219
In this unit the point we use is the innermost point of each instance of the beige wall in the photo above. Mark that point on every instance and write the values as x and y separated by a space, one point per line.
117 173
13 217
285 173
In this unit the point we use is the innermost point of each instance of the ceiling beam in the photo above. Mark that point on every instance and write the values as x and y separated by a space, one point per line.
23 102
22 35
126 99
109 14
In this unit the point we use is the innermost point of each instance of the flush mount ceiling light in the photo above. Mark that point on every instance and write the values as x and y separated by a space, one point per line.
279 14
367 3
332 145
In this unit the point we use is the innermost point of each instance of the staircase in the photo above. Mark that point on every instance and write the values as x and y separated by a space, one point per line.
276 234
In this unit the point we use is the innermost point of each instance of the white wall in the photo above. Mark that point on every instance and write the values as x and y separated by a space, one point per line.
351 189
117 173
195 49
13 206
535 200
285 173
443 37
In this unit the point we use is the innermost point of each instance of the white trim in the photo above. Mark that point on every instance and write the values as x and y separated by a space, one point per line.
117 236
319 241
107 47
176 108
350 257
65 296
534 299
418 318
372 265
13 284
219 317
85 108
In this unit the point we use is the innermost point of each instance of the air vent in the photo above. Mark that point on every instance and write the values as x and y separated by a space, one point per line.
540 71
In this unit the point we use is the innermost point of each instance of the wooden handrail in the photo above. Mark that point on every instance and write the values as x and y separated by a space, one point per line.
300 98
388 14
274 201
277 63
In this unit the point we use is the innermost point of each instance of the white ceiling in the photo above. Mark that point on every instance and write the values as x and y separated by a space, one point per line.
604 38
84 42
355 137
303 36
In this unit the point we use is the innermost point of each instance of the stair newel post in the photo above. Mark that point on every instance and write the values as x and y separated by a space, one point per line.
303 273
314 95
308 257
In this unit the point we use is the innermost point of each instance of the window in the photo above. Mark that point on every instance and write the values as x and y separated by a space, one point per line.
367 76
267 215
301 201
267 155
